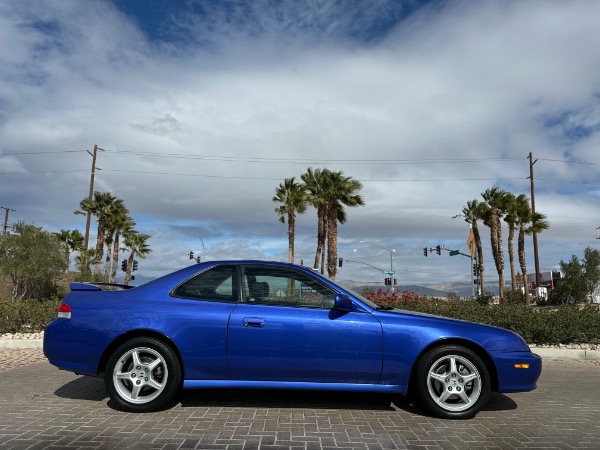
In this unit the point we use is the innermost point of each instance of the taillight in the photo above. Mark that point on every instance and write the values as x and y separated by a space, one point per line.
64 311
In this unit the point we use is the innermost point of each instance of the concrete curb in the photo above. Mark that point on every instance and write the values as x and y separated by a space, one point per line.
21 343
567 353
544 352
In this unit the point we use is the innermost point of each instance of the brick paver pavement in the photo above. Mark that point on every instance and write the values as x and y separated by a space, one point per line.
42 407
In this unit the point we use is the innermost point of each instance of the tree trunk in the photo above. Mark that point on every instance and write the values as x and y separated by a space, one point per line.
99 249
511 256
129 267
501 281
115 258
320 236
291 225
479 248
332 243
496 240
523 262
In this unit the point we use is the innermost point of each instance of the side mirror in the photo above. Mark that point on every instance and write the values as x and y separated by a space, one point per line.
342 302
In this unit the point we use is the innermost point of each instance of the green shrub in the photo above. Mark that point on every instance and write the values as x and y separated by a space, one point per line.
515 297
26 316
566 324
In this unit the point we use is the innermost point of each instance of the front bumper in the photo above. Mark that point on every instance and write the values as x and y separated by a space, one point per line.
517 371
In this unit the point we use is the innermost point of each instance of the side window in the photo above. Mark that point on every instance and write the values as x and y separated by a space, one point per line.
284 287
216 284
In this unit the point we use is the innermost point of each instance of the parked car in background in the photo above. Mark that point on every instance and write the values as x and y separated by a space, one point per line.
271 325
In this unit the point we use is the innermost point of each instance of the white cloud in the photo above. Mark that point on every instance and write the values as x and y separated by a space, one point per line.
466 81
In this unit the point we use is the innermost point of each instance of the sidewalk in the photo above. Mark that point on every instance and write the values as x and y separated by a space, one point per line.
37 341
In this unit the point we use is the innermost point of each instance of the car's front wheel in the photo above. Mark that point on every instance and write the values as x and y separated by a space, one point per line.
142 374
452 382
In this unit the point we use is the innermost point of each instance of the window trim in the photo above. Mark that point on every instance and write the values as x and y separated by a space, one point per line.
266 267
234 284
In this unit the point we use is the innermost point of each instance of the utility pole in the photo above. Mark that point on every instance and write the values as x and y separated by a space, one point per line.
89 213
6 216
538 278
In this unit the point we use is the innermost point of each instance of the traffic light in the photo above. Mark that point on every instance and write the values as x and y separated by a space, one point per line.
387 281
475 269
341 262
425 251
301 262
132 277
124 265
438 249
134 265
191 255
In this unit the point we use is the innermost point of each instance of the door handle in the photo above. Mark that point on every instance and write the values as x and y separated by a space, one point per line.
253 322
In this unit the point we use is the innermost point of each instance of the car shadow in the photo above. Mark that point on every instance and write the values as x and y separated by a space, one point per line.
92 389
83 388
292 399
316 400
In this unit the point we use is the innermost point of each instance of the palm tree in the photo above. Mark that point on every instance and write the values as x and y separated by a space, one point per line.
294 199
137 244
495 205
99 207
72 240
339 191
83 261
118 222
472 213
313 181
517 208
532 222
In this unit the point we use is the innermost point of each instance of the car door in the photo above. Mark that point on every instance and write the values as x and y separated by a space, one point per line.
286 330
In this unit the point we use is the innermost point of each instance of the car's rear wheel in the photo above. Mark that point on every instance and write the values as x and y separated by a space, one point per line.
142 374
452 382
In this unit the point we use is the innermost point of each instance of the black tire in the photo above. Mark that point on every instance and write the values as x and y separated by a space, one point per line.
142 375
451 382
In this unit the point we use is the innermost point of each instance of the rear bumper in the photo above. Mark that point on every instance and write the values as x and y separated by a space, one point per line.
74 351
513 379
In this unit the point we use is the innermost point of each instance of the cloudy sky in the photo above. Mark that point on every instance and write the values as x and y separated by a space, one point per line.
203 107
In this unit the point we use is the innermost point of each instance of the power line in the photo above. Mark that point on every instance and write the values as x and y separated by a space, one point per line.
43 171
279 178
308 161
42 153
569 162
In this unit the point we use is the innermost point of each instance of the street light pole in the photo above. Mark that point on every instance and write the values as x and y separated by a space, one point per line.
391 271
203 248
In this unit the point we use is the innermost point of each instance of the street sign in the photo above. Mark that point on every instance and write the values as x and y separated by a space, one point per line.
454 252
471 243
388 272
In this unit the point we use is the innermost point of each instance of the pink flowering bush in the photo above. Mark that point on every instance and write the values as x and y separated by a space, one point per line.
395 299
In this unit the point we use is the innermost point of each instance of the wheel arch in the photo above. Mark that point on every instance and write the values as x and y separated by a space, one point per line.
474 347
140 333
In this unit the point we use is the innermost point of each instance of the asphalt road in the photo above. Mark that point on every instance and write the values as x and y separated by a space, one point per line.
42 407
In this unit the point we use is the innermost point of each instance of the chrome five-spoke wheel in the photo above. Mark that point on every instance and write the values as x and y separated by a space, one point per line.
452 382
142 375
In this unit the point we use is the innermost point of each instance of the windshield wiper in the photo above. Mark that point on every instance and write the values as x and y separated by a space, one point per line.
384 308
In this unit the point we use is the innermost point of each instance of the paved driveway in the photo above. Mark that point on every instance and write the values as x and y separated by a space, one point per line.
41 407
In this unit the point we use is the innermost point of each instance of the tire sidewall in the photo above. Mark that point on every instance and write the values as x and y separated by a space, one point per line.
421 390
173 378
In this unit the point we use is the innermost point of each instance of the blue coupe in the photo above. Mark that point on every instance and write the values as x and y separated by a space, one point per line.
270 325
